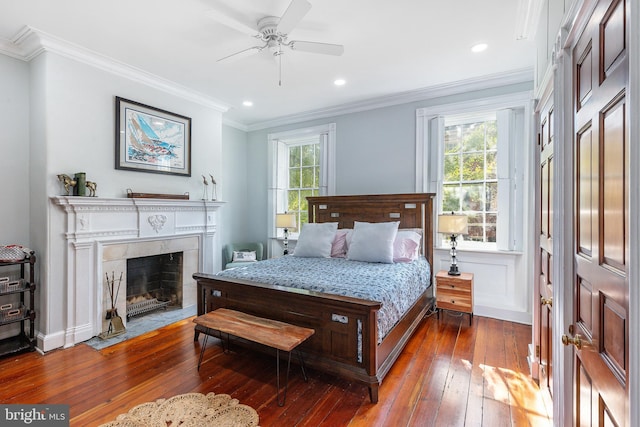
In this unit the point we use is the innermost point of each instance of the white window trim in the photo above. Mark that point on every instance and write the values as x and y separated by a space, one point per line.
430 159
327 165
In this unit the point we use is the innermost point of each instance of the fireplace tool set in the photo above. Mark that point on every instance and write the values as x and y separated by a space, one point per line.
116 326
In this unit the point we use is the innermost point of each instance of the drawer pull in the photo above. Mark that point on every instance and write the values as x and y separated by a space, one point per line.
216 293
453 301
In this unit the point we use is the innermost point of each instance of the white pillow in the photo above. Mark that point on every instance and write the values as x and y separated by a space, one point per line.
373 241
315 240
244 256
406 246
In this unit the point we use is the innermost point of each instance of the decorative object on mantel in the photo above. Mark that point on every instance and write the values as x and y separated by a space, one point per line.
205 184
68 183
92 186
132 195
116 327
213 189
81 182
149 139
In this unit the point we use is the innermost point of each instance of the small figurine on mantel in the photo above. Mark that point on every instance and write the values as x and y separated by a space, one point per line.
68 182
92 186
213 188
204 188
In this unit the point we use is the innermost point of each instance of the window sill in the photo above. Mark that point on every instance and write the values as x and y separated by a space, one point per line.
480 250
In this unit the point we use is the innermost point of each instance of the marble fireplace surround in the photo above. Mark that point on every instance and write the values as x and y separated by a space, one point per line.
102 233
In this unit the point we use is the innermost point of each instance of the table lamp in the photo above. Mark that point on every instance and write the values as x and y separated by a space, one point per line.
286 221
453 225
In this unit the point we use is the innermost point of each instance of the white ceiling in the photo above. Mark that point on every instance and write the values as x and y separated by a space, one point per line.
390 47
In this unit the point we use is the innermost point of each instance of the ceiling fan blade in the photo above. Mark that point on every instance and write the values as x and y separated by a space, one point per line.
242 54
294 13
314 47
234 23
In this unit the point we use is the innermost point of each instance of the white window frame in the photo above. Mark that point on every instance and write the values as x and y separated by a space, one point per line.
278 159
513 113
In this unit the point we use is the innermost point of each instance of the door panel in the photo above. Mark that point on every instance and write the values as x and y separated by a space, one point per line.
545 267
601 167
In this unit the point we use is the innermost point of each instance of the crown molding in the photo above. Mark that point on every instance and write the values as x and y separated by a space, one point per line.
234 124
447 89
527 18
30 42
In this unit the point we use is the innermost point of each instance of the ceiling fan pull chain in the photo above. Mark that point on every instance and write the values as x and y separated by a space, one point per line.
280 68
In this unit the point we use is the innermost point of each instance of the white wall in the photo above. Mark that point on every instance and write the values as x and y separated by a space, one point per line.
14 164
14 149
235 216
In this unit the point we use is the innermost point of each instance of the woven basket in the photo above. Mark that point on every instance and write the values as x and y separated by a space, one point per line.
9 312
7 285
12 253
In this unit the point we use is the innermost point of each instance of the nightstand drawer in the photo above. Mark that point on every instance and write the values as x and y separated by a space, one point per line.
454 285
457 301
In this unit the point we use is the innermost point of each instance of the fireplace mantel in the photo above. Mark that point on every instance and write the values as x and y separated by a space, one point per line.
97 226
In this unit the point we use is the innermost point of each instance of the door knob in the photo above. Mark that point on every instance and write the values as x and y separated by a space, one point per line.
546 301
576 340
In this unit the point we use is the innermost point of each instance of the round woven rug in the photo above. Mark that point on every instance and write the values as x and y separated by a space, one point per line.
189 410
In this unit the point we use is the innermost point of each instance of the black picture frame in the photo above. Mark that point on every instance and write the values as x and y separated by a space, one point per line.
150 139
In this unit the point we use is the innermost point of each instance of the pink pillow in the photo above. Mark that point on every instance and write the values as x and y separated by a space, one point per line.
339 244
406 246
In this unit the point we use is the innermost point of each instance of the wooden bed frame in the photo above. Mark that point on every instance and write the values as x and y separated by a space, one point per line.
337 320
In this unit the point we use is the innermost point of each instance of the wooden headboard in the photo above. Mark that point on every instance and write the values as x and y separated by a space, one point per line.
413 210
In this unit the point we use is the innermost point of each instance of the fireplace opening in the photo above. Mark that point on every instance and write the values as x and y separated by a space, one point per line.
154 282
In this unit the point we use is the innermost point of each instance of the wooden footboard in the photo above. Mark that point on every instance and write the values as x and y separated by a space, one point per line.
345 342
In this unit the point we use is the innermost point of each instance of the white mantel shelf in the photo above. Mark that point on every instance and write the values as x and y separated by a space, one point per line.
103 218
93 229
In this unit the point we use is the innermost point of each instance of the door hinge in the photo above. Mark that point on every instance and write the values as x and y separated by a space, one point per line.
538 351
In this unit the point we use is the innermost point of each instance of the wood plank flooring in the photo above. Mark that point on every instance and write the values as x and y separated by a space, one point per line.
450 374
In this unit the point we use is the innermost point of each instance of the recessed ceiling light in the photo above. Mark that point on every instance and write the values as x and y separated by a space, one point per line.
247 103
480 47
339 82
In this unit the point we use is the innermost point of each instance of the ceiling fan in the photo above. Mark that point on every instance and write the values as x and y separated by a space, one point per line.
273 34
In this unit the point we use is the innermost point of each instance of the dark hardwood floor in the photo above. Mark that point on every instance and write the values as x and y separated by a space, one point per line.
449 374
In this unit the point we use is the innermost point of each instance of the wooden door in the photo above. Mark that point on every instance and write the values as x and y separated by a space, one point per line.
545 267
601 288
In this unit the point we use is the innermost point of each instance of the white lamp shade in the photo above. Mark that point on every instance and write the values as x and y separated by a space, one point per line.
286 220
452 224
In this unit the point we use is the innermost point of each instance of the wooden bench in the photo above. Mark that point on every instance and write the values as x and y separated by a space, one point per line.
271 333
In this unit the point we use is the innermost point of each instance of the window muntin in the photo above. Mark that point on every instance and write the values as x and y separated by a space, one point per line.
470 181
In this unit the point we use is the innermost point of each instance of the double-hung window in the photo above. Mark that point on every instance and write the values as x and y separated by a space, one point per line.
303 177
472 155
301 164
470 174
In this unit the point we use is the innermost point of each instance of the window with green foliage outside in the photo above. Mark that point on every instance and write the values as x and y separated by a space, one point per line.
304 179
470 183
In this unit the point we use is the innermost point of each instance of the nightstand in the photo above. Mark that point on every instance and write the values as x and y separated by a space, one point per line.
454 293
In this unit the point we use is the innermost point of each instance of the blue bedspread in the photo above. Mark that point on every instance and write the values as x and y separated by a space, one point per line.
397 286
